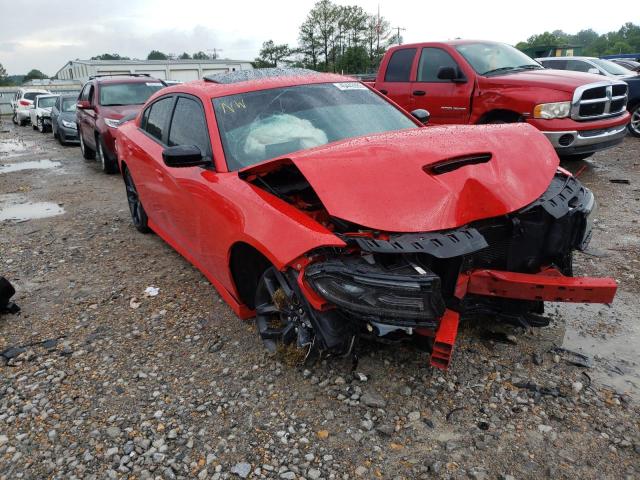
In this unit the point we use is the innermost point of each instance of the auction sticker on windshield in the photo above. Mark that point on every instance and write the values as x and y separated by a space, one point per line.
350 86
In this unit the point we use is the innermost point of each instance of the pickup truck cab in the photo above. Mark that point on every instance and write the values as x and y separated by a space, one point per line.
479 82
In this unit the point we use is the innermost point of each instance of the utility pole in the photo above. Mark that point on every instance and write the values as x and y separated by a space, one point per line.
214 52
399 28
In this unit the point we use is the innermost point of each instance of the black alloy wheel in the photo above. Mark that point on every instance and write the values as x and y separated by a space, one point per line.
280 318
138 215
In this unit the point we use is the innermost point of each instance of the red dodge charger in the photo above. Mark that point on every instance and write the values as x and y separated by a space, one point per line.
320 207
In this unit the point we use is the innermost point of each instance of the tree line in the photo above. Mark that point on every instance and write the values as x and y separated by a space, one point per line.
334 38
624 40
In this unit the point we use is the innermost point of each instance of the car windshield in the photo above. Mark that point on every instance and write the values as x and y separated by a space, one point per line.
31 95
489 58
264 124
69 104
610 67
46 102
134 93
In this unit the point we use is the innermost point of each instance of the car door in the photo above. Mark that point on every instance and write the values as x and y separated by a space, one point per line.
146 161
82 115
447 100
397 77
192 219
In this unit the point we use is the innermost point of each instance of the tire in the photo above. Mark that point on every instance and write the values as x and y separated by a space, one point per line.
108 165
138 215
87 152
14 118
35 126
23 122
62 140
634 124
40 125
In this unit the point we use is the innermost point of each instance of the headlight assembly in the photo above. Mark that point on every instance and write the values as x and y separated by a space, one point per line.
112 122
549 111
71 125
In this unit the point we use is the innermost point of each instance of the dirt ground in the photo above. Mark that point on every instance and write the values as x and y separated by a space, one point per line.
112 383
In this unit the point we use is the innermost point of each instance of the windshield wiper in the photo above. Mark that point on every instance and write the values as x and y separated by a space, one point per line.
501 69
530 66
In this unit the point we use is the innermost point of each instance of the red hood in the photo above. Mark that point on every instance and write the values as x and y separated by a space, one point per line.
381 182
563 80
117 112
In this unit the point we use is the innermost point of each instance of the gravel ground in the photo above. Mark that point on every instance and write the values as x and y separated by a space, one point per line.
111 383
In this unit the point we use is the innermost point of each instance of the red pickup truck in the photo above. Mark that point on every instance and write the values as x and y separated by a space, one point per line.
474 82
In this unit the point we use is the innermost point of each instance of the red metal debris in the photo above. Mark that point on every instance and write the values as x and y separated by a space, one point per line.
549 285
445 340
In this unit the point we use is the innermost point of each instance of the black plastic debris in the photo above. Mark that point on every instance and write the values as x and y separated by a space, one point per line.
622 181
12 352
574 358
551 391
6 292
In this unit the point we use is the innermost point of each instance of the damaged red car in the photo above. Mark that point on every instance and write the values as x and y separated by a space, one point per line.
320 207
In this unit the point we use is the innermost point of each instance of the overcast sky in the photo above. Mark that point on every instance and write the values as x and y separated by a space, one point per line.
46 34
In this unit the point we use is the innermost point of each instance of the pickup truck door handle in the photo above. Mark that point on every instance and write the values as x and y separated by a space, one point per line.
419 93
384 92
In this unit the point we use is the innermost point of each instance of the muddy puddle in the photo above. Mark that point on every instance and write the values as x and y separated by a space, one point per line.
19 209
611 337
31 165
10 147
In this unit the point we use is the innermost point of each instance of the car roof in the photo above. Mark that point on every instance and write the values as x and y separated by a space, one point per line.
124 79
249 83
30 90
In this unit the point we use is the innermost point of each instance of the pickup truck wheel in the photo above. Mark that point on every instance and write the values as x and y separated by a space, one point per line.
108 165
634 124
87 153
138 215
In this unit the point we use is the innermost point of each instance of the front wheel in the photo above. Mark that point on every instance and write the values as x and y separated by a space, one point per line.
138 214
634 124
280 318
107 163
87 152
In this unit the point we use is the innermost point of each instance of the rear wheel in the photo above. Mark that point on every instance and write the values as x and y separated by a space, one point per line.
107 163
87 153
634 124
138 215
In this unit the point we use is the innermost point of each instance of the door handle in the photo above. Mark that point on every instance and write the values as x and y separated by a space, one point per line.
159 174
384 92
419 93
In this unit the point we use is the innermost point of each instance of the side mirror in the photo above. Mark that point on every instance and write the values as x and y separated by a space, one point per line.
594 70
84 105
182 156
421 115
451 74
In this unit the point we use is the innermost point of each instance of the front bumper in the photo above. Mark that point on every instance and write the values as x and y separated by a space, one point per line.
576 142
68 134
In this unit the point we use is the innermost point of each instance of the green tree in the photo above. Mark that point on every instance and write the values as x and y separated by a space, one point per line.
272 54
110 56
185 56
157 55
3 75
34 75
200 56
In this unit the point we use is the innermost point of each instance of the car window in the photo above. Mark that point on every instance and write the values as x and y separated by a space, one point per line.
399 66
69 104
578 66
188 126
46 102
31 95
431 60
84 94
90 97
157 119
128 93
557 64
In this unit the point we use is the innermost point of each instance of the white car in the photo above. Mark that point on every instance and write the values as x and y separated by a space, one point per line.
40 112
21 102
594 65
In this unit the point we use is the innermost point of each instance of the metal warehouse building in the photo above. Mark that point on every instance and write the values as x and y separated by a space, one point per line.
180 70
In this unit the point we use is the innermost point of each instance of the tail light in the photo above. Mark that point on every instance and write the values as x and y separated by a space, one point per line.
24 103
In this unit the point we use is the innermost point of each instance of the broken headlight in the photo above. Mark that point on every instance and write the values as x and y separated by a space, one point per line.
398 293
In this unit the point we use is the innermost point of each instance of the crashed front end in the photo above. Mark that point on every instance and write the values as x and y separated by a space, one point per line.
394 286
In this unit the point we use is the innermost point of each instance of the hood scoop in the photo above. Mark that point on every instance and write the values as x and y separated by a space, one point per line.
452 164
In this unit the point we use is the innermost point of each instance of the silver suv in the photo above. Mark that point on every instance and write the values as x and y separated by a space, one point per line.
22 102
